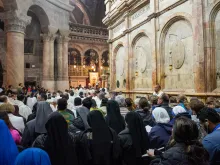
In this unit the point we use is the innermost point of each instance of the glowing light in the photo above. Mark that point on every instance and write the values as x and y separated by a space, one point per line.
101 67
74 66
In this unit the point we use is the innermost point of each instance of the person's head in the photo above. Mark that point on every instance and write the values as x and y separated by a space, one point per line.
177 110
87 102
101 96
71 93
160 115
65 96
20 97
182 99
10 86
62 104
77 101
217 104
185 131
33 156
121 100
9 108
210 102
42 97
81 94
136 102
209 118
130 104
103 90
143 104
3 99
172 100
153 100
157 88
104 102
94 105
163 99
4 116
196 106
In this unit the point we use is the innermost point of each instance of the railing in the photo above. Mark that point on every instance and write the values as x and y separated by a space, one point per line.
88 31
78 71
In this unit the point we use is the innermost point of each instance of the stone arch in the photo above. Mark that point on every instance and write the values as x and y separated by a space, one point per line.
78 47
119 67
91 56
171 66
141 68
74 57
81 6
105 57
213 68
41 15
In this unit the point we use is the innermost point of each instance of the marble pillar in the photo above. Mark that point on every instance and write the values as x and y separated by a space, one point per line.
48 62
62 82
15 29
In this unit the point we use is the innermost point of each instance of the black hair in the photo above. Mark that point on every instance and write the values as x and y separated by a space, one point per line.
62 104
77 101
65 96
20 97
87 102
165 98
143 103
209 114
43 96
3 99
71 93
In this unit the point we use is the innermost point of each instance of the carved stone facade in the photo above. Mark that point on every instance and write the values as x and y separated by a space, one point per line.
171 42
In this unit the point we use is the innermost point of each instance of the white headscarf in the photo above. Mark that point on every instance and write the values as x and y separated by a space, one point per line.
178 109
161 115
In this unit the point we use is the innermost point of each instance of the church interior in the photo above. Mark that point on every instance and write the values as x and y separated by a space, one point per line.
125 45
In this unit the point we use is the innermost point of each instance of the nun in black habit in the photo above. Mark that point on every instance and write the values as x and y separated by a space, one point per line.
58 142
98 145
134 140
114 119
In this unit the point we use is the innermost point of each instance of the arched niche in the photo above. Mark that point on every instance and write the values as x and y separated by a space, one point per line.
105 58
91 57
142 62
177 55
74 57
41 15
120 67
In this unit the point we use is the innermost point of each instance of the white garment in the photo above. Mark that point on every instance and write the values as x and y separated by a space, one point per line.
54 108
71 99
178 109
158 94
98 101
161 115
31 101
74 110
24 110
70 106
104 109
17 122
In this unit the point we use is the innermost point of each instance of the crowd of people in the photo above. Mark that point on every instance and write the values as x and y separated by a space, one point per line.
87 126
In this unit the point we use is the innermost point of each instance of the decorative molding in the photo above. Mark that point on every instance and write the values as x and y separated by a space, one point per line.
61 5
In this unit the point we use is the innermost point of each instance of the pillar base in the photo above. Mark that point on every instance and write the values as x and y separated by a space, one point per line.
62 85
49 85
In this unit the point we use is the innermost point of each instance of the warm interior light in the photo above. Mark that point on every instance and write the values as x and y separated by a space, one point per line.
92 67
101 67
84 66
74 66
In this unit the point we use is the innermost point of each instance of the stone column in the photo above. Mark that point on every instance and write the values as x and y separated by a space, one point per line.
48 62
15 29
62 63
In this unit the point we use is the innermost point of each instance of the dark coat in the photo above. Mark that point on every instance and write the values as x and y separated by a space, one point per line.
147 118
128 152
77 126
176 156
160 135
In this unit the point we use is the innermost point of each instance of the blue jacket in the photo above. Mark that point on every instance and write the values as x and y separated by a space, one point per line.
212 144
160 135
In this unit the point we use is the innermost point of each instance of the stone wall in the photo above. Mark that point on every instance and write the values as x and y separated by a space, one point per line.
170 42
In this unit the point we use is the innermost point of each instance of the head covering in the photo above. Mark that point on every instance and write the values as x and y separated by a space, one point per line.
83 112
178 109
120 100
58 143
33 156
138 133
161 115
114 118
8 148
43 111
101 138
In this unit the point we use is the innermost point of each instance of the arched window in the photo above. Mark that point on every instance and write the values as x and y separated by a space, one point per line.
91 58
74 57
105 59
